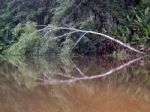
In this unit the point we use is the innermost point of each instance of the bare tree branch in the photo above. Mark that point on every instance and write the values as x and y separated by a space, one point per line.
79 40
96 33
74 30
66 34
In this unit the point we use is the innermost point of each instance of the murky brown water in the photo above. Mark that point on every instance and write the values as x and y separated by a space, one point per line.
32 85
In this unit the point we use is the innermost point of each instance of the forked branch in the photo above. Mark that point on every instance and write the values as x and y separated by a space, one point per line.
74 30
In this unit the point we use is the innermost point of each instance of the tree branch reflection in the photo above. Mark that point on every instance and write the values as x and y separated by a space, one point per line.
82 76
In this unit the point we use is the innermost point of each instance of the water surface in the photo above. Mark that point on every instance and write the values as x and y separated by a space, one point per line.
41 84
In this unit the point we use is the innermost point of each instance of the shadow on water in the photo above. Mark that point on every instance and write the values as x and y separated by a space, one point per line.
77 84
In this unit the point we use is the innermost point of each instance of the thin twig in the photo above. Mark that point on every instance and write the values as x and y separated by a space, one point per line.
61 36
79 40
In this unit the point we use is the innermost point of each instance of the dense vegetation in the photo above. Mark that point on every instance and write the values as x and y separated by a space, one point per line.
127 20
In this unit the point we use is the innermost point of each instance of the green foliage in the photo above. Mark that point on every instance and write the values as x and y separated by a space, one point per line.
28 42
67 46
50 47
88 24
60 11
86 46
127 20
3 46
136 27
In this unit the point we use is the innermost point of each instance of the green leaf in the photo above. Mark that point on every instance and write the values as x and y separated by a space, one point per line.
138 18
1 47
147 11
129 19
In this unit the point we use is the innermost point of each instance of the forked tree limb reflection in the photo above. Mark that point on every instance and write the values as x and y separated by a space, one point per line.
82 76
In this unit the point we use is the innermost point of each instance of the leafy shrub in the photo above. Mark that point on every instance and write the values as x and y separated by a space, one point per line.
28 42
136 28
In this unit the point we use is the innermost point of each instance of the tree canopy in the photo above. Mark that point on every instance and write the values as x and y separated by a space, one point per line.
126 20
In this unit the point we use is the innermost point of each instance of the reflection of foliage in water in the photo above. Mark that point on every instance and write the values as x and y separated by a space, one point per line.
28 71
132 81
139 73
24 72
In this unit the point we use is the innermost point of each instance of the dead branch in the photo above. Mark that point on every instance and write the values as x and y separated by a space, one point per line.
79 40
50 28
95 33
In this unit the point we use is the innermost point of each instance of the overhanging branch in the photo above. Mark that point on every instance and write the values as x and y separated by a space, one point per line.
50 27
